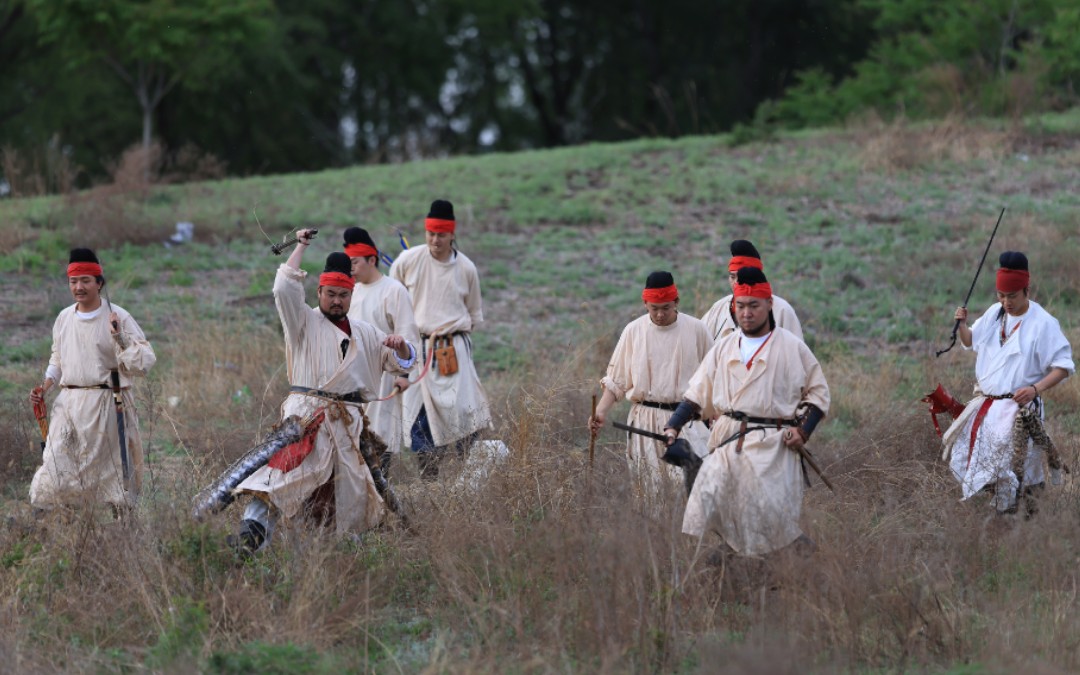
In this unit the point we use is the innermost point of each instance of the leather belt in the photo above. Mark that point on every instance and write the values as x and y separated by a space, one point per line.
91 386
351 397
765 423
661 406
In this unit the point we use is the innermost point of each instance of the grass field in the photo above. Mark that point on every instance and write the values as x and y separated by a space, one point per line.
872 232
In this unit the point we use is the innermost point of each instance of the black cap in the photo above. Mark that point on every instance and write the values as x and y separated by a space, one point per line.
83 255
744 248
442 210
358 235
338 262
751 276
660 280
1013 260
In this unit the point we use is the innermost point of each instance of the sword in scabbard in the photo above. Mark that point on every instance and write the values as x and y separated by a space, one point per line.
640 432
118 399
809 459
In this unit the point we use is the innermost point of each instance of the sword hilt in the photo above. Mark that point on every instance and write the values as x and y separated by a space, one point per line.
278 248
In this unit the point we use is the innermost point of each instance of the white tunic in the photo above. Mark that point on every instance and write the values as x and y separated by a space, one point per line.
718 318
655 363
385 304
446 300
752 497
1030 352
314 360
82 461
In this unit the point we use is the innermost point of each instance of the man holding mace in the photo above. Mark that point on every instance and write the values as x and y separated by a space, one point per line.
335 365
720 319
753 384
94 452
449 408
384 303
1020 353
651 367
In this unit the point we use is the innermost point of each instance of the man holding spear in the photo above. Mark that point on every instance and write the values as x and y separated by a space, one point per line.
334 367
1020 353
93 452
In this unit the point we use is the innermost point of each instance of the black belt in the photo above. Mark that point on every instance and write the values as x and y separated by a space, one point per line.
662 406
425 336
995 397
89 386
769 421
351 397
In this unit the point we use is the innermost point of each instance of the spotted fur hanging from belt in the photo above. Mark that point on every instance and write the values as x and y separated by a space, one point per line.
1028 425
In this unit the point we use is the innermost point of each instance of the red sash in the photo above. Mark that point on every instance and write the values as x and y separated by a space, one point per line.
979 416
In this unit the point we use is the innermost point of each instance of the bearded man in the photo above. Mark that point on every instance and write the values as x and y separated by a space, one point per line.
94 450
720 319
753 385
1020 353
335 365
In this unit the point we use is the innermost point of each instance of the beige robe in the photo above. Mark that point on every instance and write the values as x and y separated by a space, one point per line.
385 304
752 498
81 462
718 318
446 299
313 359
655 363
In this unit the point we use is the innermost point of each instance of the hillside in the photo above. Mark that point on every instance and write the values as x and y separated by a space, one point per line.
872 232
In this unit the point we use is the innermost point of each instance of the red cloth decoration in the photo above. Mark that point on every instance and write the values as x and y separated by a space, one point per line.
360 250
1010 281
752 290
336 279
84 269
659 296
438 225
291 456
740 261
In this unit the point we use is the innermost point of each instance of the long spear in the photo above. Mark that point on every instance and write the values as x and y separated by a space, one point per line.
956 327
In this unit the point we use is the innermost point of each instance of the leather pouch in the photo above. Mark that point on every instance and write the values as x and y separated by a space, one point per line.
446 355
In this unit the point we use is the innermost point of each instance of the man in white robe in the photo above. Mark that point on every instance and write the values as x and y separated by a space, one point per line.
1020 352
765 393
384 303
651 367
447 410
720 319
92 342
335 365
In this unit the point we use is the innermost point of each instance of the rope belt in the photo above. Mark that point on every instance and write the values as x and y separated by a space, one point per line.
351 397
661 406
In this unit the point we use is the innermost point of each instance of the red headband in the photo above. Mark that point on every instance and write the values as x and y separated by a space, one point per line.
1010 281
84 269
660 295
763 290
438 225
336 279
740 261
360 251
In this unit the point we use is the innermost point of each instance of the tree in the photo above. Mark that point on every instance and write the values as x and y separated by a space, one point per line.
153 45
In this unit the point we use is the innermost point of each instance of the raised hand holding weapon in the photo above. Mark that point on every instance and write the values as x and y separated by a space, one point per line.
278 248
956 327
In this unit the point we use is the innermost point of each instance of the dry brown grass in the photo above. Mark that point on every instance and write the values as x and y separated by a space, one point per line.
48 171
901 145
553 566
